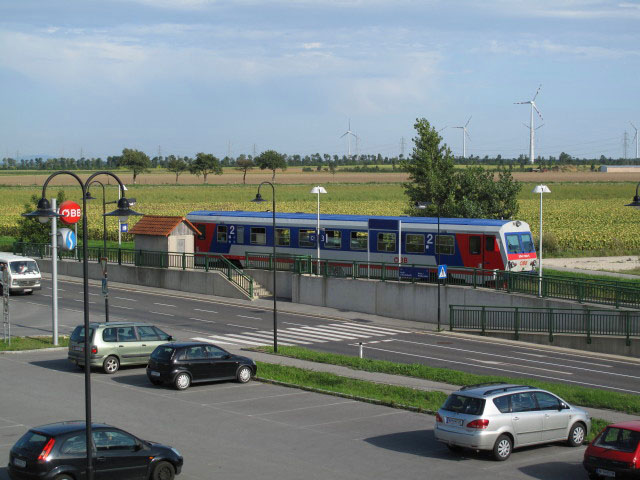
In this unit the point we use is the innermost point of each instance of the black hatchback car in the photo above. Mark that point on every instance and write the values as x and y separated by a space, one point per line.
181 364
58 451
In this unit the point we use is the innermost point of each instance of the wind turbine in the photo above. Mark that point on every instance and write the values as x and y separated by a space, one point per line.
349 134
532 129
636 138
464 135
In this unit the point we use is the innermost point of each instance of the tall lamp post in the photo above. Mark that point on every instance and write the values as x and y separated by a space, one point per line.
636 199
540 189
275 310
43 213
318 190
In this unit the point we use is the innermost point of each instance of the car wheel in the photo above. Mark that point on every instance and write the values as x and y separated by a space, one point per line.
163 471
111 364
576 435
502 448
244 374
182 381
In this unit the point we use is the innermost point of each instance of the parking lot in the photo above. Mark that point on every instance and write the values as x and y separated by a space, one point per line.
232 431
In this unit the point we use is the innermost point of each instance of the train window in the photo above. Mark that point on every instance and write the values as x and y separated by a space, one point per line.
240 235
386 242
414 243
283 237
490 243
445 244
527 243
475 245
333 239
359 240
305 238
513 243
258 236
202 228
222 233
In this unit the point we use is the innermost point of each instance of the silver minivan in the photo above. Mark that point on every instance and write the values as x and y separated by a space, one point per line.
24 274
501 417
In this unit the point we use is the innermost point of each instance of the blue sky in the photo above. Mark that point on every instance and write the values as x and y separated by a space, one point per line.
202 75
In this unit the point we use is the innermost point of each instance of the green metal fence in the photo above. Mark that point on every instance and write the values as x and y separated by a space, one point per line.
616 294
552 321
148 258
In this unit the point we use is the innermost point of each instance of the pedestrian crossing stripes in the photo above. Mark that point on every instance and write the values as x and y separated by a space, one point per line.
304 335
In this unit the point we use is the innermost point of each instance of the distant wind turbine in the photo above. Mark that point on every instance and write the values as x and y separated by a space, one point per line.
349 134
464 140
532 129
636 139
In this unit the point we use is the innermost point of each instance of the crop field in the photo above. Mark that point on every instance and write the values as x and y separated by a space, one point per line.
581 216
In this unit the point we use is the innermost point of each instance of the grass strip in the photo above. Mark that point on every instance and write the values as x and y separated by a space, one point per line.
32 343
365 391
577 395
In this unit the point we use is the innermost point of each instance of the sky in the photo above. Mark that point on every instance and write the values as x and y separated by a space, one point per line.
92 77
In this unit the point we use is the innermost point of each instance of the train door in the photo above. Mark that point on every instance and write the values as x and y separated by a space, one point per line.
492 258
476 252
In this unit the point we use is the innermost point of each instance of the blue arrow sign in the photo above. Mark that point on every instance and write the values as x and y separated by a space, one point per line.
124 227
442 272
67 240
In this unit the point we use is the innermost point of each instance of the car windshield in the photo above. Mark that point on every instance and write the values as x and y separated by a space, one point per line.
619 439
32 442
461 404
162 353
24 266
78 334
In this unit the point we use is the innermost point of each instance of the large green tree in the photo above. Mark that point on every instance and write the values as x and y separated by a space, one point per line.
136 161
30 230
204 164
470 192
244 164
271 160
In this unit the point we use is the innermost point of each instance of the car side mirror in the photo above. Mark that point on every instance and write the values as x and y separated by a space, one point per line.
563 406
227 356
169 338
138 447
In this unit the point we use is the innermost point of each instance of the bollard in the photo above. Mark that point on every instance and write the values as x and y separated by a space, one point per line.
360 348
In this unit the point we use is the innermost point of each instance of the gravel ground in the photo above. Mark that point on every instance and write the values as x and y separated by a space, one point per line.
611 264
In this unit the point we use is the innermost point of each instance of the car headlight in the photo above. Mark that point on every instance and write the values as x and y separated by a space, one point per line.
175 451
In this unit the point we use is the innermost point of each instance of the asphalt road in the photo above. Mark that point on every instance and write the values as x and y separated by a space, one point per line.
233 325
232 431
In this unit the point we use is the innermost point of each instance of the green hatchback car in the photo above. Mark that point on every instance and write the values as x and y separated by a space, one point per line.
116 343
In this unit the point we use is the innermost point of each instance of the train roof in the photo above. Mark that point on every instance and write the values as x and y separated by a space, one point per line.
347 218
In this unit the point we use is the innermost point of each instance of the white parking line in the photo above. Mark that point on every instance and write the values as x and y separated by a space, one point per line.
379 329
165 314
281 336
164 305
127 299
242 326
246 316
120 306
80 300
201 320
206 311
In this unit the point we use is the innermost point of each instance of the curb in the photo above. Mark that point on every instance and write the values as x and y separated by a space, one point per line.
52 349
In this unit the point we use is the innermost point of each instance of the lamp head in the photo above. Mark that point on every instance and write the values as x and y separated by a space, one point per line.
88 196
319 189
44 211
541 189
123 211
635 203
258 198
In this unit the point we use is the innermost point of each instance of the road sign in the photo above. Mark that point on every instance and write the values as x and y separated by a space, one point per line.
105 287
103 264
70 211
67 239
124 227
442 272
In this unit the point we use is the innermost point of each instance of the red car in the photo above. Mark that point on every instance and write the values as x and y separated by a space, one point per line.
615 453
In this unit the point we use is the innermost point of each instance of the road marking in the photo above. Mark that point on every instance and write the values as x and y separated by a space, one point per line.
302 408
46 295
228 340
319 335
296 324
127 299
269 335
493 362
81 300
201 320
504 370
242 326
120 306
96 294
165 314
164 304
566 360
517 358
331 333
246 316
201 310
380 329
258 338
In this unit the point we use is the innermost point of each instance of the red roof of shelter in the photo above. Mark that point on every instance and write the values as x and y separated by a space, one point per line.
160 226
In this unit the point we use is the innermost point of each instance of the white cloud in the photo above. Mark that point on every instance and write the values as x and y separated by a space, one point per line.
535 47
312 45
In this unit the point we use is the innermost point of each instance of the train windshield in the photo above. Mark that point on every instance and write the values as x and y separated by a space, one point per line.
519 243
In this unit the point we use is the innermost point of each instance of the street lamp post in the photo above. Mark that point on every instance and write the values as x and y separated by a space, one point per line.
275 310
636 199
104 238
540 189
44 213
318 190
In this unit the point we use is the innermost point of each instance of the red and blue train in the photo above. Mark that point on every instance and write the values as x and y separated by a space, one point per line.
409 242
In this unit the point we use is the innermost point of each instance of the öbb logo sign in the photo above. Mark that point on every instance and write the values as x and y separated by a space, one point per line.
70 211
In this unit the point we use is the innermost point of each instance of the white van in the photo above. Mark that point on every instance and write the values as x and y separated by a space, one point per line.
24 274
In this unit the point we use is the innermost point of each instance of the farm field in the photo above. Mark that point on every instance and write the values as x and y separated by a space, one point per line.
585 217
